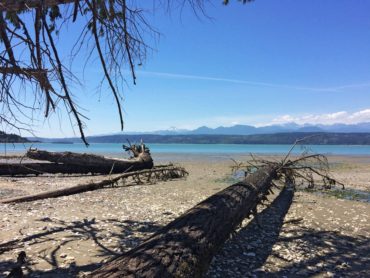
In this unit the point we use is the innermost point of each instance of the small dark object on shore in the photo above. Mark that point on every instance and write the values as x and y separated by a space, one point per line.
17 271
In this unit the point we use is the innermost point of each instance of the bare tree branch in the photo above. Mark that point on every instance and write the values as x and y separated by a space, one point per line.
116 31
19 5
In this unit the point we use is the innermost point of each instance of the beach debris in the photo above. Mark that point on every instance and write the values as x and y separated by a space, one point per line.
24 169
140 159
162 172
186 246
125 211
76 163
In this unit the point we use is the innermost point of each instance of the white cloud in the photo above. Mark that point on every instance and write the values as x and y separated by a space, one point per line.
343 117
265 120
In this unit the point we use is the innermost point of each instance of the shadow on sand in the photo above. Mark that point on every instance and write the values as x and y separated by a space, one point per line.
246 254
127 235
250 252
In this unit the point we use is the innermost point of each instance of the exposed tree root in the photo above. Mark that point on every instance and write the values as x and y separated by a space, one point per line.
185 247
76 163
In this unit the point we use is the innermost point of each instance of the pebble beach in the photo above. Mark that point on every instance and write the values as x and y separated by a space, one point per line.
317 235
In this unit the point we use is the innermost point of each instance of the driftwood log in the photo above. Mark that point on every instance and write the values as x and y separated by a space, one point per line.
23 169
142 159
76 163
139 177
185 247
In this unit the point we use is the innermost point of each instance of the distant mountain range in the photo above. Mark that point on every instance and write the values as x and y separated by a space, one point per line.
316 138
239 134
250 130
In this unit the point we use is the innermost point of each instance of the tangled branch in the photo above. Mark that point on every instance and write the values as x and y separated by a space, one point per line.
29 53
309 169
34 75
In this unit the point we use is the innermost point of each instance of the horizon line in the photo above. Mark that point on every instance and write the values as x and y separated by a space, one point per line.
155 132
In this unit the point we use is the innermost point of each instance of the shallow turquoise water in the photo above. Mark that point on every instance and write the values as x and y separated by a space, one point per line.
222 149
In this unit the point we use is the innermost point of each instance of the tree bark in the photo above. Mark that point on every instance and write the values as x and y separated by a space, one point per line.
185 247
142 160
163 173
75 163
58 193
17 169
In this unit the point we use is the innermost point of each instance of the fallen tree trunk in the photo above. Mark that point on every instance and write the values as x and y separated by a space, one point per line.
150 175
185 247
75 163
17 169
142 160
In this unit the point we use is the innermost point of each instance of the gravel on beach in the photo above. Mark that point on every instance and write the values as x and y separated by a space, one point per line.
319 236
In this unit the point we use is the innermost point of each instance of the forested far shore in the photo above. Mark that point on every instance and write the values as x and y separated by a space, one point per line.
12 138
313 138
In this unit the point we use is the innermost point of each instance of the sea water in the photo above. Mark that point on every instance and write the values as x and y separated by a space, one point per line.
212 149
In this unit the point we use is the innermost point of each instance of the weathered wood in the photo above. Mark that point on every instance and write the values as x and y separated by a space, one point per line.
58 193
17 169
165 174
185 247
141 161
76 163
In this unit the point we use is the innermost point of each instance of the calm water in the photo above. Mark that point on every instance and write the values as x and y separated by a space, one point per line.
214 149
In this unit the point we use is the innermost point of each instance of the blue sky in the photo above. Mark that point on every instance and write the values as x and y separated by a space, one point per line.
262 63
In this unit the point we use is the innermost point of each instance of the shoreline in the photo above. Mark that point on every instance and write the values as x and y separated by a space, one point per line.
160 158
207 150
197 155
72 235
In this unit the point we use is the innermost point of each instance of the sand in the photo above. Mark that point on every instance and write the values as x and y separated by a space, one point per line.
320 236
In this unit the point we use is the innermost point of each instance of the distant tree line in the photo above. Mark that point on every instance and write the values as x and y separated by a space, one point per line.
12 138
